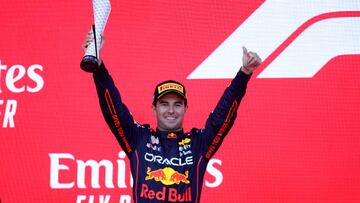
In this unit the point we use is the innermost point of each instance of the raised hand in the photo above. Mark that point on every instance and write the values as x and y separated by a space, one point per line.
251 61
90 38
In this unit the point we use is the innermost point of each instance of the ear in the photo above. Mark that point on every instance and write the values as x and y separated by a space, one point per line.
186 107
153 108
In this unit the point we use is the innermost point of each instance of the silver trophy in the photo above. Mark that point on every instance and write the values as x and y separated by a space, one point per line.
101 8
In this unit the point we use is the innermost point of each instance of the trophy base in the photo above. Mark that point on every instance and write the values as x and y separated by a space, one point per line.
89 64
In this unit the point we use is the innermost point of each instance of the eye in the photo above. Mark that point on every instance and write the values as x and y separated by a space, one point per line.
164 104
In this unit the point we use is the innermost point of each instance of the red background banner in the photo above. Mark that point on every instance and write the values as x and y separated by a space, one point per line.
295 139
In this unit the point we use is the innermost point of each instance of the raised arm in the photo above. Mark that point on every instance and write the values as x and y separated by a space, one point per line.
222 118
115 112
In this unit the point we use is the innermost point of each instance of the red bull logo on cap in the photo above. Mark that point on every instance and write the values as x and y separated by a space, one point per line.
167 176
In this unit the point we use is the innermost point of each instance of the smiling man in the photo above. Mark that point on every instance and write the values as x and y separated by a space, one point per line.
168 164
169 105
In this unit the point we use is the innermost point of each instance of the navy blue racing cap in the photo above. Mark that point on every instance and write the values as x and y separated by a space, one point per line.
167 87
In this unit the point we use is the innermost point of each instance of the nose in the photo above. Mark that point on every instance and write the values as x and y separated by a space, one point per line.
171 109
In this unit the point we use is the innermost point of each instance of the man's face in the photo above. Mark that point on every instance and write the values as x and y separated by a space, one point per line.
170 111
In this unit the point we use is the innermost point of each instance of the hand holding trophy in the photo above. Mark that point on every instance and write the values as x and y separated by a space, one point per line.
90 61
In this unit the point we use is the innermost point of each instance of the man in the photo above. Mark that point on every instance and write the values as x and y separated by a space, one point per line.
167 164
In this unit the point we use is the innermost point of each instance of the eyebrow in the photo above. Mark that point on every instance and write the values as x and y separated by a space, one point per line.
176 102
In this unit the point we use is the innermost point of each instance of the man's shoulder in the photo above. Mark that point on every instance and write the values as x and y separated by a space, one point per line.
195 131
144 126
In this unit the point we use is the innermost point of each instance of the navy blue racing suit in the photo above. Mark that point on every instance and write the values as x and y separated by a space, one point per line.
168 166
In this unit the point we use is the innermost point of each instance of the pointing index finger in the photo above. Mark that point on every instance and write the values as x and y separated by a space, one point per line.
245 51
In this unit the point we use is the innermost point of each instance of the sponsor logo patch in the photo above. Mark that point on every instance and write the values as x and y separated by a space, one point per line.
170 86
167 176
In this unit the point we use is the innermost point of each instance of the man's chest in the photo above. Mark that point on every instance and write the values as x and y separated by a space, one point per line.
168 161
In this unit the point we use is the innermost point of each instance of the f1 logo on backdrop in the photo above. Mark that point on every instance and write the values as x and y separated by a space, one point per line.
294 43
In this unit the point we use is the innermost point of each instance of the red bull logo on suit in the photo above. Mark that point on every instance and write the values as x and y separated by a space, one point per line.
167 176
165 194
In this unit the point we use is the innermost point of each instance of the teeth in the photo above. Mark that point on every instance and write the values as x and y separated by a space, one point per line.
170 118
